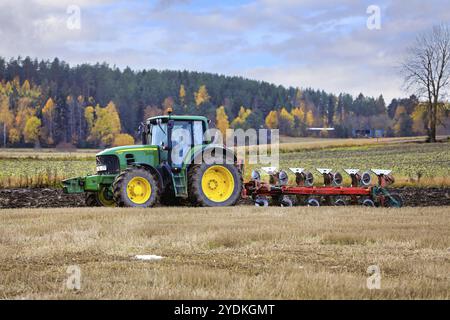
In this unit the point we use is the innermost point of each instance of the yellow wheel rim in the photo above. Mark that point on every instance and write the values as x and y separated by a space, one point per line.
139 190
104 200
217 183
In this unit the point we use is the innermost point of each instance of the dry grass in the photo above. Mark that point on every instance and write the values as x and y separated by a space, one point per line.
296 144
47 154
240 252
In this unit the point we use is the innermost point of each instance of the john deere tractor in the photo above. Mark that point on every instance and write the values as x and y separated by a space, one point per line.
167 167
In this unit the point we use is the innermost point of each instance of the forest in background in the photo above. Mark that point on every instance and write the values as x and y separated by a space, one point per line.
50 103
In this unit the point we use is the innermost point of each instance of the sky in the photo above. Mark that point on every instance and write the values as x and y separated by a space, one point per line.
348 46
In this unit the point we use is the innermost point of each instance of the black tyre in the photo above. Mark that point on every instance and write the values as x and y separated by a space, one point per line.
368 203
286 202
136 187
103 198
340 202
313 202
261 202
91 200
214 185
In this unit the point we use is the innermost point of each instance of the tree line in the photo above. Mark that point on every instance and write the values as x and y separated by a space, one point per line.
50 103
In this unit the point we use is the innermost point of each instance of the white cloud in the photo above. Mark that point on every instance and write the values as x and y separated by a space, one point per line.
308 43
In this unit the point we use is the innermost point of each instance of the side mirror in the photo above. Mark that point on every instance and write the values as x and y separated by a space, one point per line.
163 146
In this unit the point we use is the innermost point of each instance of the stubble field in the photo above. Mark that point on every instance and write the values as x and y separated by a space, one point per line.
249 253
237 252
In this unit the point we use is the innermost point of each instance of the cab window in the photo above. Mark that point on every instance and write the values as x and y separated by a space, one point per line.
198 132
158 134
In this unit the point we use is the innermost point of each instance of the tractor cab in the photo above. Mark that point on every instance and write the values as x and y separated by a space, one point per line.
179 133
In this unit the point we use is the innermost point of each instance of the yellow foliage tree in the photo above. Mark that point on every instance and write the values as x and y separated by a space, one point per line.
222 122
26 86
123 139
419 117
32 130
6 117
201 96
299 120
240 120
106 125
401 110
182 95
272 120
309 118
24 112
286 122
89 117
298 113
13 135
48 113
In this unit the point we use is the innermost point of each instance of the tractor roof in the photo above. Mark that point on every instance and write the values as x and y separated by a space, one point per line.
185 118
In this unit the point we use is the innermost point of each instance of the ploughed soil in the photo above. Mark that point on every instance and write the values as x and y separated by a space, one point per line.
55 198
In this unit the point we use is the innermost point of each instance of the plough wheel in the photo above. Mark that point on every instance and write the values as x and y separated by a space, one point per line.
286 202
368 203
261 202
313 202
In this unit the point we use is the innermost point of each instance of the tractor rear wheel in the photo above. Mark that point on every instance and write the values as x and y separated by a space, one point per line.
136 187
214 185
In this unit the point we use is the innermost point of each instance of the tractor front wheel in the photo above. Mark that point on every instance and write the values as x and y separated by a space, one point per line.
103 198
136 187
215 185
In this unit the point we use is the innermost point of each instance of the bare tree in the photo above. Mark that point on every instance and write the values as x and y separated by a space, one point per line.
427 72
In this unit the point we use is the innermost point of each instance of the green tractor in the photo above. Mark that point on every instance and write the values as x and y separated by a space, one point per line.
167 167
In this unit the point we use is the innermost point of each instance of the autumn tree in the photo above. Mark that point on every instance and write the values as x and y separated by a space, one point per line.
201 96
286 122
310 118
24 112
49 113
222 123
272 120
240 122
299 120
6 117
123 139
427 72
182 95
106 125
32 130
89 114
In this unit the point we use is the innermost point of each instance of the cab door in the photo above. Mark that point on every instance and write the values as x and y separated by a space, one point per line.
181 142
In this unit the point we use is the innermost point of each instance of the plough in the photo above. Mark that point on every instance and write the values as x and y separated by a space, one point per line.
278 191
